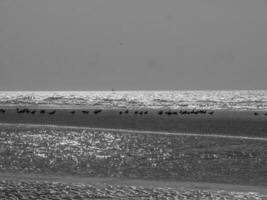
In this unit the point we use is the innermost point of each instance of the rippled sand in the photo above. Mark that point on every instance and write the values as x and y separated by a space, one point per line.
55 190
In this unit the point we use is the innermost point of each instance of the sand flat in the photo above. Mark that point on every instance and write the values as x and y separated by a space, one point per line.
234 123
245 131
134 154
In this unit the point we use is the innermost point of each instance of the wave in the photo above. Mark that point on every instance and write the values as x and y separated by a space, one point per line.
233 100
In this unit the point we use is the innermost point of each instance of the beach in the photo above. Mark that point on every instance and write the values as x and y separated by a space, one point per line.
197 155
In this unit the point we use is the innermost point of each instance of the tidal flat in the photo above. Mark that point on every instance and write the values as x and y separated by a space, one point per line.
103 153
162 156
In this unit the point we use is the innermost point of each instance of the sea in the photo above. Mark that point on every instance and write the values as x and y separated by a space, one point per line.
200 99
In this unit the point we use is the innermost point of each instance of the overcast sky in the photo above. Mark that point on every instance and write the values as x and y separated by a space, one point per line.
133 44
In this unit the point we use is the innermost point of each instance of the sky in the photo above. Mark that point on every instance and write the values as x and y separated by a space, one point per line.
133 44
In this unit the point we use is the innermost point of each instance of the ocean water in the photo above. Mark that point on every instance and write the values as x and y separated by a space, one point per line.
227 100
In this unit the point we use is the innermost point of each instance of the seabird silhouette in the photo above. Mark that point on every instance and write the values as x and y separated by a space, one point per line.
168 113
72 112
160 112
85 112
20 111
136 112
141 113
42 111
182 112
120 112
52 112
97 111
265 114
194 112
127 111
146 112
211 112
255 113
203 111
2 111
33 112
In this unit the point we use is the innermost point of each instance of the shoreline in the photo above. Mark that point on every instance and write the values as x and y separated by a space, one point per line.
233 123
92 107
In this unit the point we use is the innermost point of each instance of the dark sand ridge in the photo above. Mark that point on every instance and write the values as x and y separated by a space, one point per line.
236 123
116 130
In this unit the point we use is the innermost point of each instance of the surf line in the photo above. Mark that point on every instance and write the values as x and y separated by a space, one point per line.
135 131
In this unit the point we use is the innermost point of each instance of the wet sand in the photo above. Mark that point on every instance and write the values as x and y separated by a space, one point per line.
133 154
228 123
235 123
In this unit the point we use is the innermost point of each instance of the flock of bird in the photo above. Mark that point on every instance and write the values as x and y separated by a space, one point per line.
97 111
19 111
186 112
161 112
26 111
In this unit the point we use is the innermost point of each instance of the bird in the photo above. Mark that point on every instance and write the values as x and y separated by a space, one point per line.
27 110
182 112
97 111
141 113
265 114
52 112
33 112
127 111
72 112
160 112
146 112
168 113
194 112
120 112
20 111
203 111
136 112
85 112
211 112
2 111
174 113
255 113
42 111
